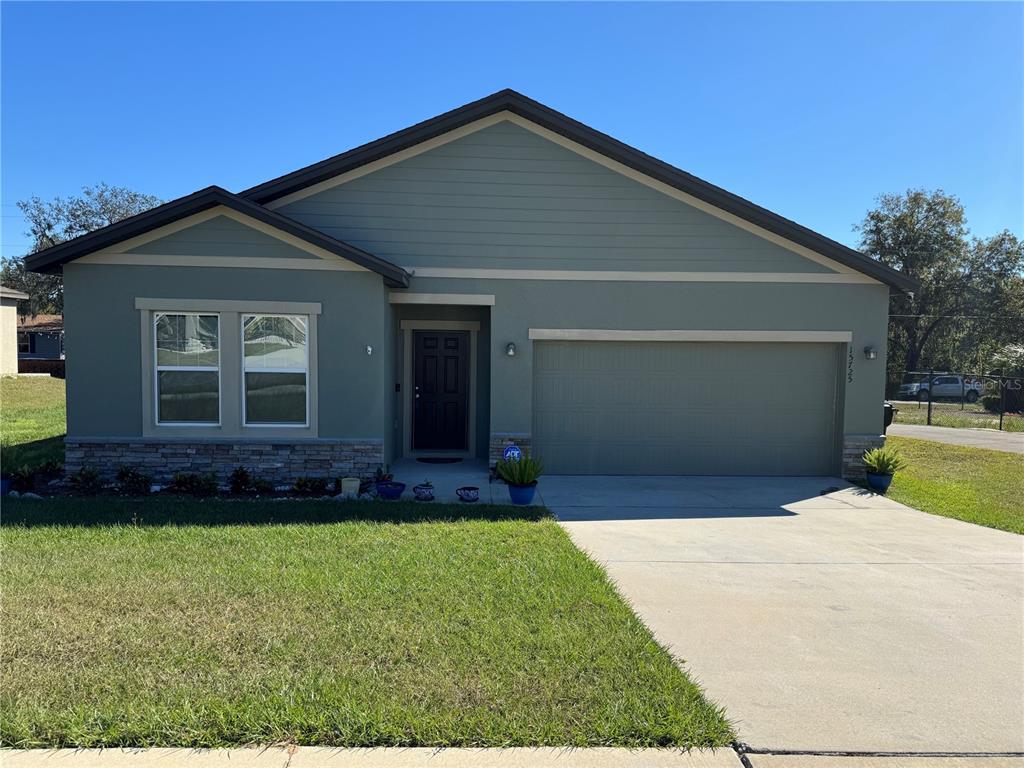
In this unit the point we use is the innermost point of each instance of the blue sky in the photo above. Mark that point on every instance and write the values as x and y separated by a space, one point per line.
810 110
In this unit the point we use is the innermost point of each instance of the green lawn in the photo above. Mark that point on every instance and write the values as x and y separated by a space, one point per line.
32 421
952 414
971 484
207 623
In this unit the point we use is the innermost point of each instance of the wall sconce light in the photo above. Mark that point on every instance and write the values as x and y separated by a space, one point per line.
369 349
510 349
870 353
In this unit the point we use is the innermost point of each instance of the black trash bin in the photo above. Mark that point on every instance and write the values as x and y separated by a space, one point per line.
888 414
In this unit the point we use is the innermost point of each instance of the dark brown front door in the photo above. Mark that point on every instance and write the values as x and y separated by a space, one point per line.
440 397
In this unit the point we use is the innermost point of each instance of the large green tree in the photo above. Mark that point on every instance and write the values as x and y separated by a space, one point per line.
971 299
63 218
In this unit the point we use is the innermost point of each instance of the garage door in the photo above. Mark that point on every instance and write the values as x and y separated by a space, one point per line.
656 408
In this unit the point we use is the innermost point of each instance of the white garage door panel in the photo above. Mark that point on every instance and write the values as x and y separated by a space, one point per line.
609 407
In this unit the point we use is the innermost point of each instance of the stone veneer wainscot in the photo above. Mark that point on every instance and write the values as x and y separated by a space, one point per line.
854 447
272 461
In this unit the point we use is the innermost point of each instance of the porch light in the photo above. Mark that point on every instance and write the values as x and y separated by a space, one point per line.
369 349
870 353
510 349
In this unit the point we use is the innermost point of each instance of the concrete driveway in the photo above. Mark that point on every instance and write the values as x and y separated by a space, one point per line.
842 621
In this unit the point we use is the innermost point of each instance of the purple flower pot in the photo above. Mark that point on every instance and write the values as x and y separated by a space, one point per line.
522 494
391 490
877 482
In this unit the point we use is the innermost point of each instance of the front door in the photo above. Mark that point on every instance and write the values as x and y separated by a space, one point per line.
440 404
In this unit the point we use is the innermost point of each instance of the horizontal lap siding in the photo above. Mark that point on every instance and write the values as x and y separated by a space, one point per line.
221 236
685 408
505 198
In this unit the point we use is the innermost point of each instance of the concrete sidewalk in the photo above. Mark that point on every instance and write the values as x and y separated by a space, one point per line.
994 440
322 757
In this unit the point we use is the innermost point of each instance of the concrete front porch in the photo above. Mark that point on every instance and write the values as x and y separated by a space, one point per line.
449 477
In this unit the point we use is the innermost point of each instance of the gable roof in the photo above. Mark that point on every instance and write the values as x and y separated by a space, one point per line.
51 259
516 103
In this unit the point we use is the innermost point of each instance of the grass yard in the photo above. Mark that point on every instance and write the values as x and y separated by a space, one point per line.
32 421
952 414
971 484
209 623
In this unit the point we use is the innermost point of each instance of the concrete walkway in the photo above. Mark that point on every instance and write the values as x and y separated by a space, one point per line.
321 757
994 440
836 622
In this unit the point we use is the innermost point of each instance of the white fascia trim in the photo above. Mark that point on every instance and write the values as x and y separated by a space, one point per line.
121 253
579 149
229 305
641 276
463 299
222 262
590 334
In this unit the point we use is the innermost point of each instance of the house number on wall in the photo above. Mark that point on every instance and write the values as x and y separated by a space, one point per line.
849 368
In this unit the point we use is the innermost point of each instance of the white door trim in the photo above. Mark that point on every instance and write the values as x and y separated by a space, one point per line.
461 299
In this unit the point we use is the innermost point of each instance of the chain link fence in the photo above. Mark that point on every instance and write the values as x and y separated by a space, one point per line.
959 399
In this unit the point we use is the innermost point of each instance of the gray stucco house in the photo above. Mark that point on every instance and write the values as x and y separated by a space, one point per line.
500 272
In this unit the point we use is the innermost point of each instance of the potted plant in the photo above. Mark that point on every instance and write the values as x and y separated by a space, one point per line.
880 464
387 488
424 491
521 476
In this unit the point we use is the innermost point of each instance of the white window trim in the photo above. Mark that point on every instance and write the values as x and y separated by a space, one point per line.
231 406
154 317
243 316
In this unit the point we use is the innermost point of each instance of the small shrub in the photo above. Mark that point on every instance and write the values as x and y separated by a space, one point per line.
132 482
86 482
51 467
310 486
884 461
383 474
262 487
241 481
23 480
194 484
522 471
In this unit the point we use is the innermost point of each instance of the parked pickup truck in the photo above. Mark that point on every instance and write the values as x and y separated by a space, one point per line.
946 385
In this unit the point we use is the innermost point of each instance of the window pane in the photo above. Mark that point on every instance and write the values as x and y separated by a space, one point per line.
187 396
186 340
275 398
275 342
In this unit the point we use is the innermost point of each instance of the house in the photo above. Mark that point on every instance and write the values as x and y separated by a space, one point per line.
499 273
41 337
9 299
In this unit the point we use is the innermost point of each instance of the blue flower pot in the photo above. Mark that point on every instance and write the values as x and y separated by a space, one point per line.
522 494
5 486
877 482
390 491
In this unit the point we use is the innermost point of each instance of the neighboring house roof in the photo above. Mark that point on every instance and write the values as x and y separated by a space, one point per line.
51 259
10 293
514 102
41 323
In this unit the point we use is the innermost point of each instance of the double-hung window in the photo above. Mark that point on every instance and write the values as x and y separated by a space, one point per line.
275 370
187 361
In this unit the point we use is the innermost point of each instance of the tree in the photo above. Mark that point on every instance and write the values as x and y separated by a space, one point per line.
969 303
64 218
